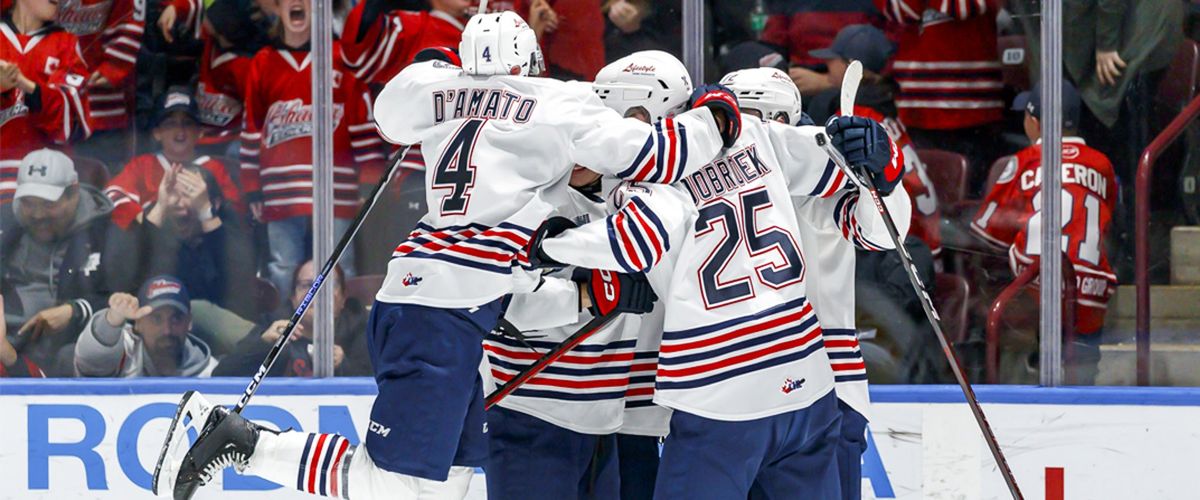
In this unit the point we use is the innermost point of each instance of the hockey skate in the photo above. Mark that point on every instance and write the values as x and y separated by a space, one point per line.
224 439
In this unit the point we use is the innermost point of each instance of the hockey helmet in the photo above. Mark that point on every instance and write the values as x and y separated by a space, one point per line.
767 90
500 44
650 79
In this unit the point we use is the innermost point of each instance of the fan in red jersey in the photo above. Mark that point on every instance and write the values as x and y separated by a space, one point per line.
950 82
111 35
176 129
1011 218
231 36
377 44
42 101
277 136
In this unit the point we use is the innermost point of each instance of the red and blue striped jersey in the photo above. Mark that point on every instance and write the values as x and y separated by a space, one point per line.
740 339
498 152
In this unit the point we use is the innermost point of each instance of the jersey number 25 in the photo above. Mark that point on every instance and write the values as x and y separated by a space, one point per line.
740 222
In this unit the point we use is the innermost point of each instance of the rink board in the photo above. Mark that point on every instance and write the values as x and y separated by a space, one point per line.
90 439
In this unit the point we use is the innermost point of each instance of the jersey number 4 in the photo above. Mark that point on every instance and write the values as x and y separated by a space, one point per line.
783 267
454 169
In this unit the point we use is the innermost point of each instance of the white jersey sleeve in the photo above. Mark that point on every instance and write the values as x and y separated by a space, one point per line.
499 151
554 303
650 219
854 215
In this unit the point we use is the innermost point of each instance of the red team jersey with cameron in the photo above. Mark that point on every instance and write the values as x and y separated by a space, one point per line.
1011 219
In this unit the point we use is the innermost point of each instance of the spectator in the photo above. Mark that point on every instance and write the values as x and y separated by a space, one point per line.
950 82
876 100
801 26
55 255
752 54
1118 54
12 363
231 36
41 86
1010 220
634 25
277 144
190 232
110 36
378 42
144 336
571 33
176 129
350 357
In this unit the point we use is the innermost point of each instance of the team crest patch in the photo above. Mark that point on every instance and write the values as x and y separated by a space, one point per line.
790 385
412 280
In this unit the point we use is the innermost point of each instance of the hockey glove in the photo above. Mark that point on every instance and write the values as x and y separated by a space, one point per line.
549 229
724 106
614 292
865 145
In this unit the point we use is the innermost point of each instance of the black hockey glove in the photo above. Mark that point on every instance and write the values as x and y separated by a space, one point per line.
549 229
724 104
614 292
865 145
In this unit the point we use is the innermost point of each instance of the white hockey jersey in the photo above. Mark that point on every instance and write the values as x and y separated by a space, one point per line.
499 151
583 391
740 339
830 230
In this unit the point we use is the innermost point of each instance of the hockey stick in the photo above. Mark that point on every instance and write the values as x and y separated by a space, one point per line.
344 243
591 327
849 92
930 312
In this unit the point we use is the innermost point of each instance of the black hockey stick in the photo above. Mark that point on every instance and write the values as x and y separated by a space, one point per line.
591 327
344 243
927 304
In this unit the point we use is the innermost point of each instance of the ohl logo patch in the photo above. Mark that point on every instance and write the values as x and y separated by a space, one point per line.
412 280
790 385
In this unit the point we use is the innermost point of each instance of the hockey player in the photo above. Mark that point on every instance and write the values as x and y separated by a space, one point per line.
502 146
558 430
1010 219
769 93
741 361
42 101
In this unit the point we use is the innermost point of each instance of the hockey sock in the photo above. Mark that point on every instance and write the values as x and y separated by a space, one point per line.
314 463
327 465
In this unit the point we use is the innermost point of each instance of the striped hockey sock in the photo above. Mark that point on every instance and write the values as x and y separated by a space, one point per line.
328 465
313 463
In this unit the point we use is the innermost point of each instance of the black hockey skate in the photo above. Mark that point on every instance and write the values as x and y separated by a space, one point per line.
226 440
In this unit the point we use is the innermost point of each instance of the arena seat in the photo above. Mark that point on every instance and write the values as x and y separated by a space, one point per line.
91 171
266 297
948 173
363 288
951 293
1180 84
1014 58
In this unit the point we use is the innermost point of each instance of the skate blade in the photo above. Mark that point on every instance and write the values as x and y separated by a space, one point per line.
192 413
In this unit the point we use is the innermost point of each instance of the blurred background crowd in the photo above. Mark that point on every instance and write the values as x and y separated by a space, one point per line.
156 163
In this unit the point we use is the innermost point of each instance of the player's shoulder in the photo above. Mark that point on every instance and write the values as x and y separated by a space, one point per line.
1089 156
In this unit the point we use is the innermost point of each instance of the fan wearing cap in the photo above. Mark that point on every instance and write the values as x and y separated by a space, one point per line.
176 129
1010 219
232 32
144 336
55 259
801 26
42 101
876 100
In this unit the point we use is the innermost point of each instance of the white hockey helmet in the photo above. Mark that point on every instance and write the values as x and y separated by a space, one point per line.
767 90
500 44
650 79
